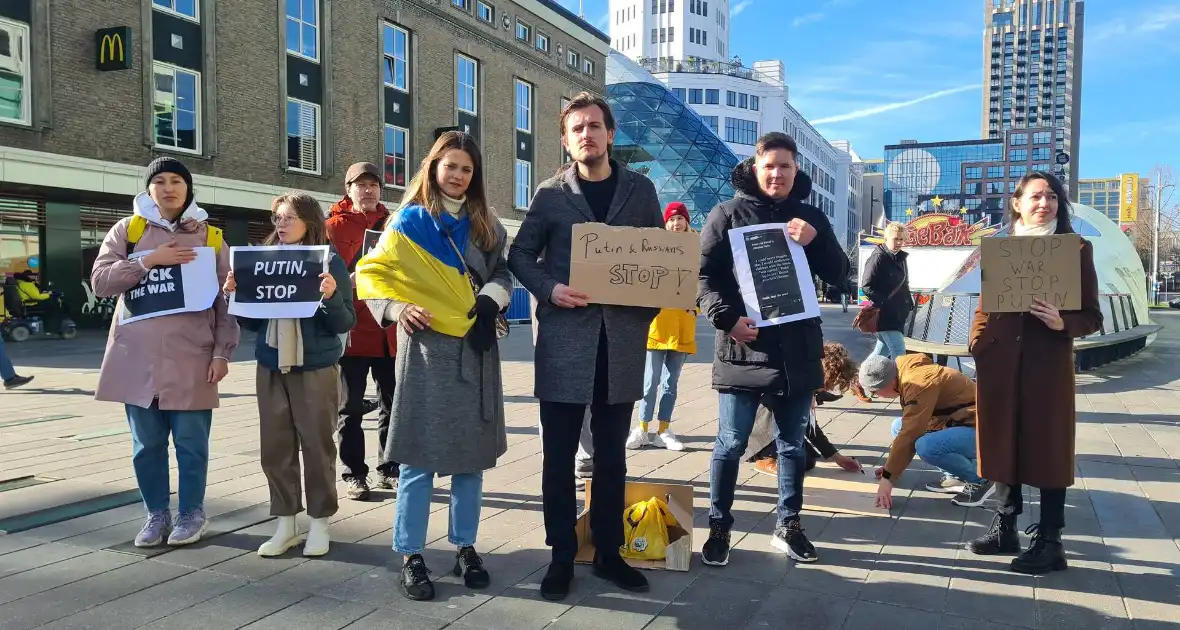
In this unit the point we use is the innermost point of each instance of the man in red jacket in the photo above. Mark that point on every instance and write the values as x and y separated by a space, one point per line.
370 348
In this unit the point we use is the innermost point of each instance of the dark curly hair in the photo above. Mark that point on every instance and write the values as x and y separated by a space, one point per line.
839 368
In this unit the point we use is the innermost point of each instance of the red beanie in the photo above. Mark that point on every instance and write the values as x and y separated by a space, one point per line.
676 208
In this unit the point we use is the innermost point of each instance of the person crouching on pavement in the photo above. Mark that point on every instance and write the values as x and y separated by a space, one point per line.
937 423
297 382
439 274
671 339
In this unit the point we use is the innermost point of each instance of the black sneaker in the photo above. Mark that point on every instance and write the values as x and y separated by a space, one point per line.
386 481
470 566
614 569
17 381
974 494
791 539
1044 555
555 586
715 553
358 488
415 579
1000 538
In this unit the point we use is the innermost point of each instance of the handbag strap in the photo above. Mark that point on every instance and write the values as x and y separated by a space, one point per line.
904 278
466 270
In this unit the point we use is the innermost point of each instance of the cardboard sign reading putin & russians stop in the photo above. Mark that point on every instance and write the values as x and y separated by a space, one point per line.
1018 269
277 281
629 266
187 288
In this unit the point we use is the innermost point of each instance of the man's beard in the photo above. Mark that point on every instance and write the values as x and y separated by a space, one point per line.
595 160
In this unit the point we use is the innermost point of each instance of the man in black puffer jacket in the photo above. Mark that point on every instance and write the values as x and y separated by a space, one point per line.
782 361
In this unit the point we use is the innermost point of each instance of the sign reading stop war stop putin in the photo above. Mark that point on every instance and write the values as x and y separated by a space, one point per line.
1018 269
635 266
277 281
174 289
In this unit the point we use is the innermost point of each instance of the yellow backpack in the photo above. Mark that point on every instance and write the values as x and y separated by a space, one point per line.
138 225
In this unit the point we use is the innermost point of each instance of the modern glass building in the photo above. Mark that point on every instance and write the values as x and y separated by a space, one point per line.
661 137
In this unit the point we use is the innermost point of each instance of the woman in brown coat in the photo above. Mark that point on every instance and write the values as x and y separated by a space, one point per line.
1025 370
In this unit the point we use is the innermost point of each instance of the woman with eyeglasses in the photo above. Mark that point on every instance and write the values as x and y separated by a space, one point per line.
297 382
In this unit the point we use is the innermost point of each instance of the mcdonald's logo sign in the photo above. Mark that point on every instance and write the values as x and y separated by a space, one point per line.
112 48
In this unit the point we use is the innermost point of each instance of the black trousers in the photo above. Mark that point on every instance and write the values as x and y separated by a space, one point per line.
1011 501
354 379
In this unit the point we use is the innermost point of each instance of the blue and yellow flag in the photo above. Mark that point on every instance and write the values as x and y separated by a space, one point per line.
415 263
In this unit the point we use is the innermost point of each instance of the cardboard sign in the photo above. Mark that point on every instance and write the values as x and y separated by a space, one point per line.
635 266
277 281
371 239
174 289
773 275
1017 269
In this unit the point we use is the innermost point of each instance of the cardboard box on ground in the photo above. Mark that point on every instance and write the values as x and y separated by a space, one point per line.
678 554
1017 269
635 266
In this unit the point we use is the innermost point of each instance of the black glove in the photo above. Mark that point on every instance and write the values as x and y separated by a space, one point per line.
483 332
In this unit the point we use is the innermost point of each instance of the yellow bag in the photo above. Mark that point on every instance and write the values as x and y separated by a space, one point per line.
645 527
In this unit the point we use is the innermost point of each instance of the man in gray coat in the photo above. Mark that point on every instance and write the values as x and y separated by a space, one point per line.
586 353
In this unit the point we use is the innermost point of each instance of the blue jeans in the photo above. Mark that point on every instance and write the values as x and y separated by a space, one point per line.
6 370
662 371
150 429
412 514
890 343
737 411
951 450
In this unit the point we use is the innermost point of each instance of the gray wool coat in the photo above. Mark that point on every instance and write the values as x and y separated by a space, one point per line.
567 339
448 405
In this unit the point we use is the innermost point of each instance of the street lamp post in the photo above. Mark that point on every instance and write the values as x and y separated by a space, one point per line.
1155 236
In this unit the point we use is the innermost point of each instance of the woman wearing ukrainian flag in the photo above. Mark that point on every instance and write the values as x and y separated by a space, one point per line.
448 405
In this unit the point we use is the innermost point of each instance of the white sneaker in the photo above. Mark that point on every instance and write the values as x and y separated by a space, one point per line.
286 536
638 439
317 538
668 440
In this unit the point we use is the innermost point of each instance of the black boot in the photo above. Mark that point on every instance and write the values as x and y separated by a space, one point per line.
470 566
1001 538
415 579
1045 553
556 583
612 568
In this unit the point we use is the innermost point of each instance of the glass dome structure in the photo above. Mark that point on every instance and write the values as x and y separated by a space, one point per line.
661 137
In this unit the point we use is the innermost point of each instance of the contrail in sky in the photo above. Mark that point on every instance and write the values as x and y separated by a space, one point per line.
873 111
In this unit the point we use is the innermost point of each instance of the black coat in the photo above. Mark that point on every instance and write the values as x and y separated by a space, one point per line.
883 273
784 359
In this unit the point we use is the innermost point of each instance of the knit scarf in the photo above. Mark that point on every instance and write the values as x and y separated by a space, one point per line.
286 336
1020 229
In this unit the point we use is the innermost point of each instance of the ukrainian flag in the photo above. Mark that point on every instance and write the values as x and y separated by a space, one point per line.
415 263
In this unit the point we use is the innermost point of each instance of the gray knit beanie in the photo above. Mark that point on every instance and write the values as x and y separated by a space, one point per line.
877 372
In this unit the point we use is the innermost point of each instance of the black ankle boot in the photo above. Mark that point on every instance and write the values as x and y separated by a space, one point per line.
1001 538
612 568
470 566
556 583
1045 553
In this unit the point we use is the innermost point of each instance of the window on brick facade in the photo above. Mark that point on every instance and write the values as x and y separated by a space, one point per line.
396 48
14 72
466 84
184 8
524 32
524 106
523 184
176 108
588 67
572 58
462 4
397 153
303 136
486 12
303 33
542 43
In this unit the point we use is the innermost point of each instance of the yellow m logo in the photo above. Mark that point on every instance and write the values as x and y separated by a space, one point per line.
106 50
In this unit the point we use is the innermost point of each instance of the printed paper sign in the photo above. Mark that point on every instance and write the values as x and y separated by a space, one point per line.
773 275
371 239
174 289
1017 269
635 266
277 281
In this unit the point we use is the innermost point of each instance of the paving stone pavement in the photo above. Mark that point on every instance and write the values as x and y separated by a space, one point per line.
909 571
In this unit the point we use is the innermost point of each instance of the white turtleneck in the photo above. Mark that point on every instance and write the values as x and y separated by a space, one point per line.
453 206
1020 229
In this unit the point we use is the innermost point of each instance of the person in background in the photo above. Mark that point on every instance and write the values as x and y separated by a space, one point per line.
298 383
369 350
439 274
1024 365
671 339
784 361
587 354
11 379
887 285
165 369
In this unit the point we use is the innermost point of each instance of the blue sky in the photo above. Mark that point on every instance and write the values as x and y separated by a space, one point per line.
887 70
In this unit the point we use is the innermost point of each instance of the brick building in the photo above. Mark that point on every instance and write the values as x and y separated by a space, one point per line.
261 97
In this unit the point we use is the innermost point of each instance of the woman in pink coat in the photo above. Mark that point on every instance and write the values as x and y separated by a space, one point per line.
165 369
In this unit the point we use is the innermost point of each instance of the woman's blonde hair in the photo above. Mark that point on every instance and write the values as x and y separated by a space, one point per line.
895 228
424 190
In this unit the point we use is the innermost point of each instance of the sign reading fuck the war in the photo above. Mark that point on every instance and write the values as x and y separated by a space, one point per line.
173 289
277 281
635 266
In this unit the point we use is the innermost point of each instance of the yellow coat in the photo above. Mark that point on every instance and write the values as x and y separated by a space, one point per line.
673 329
